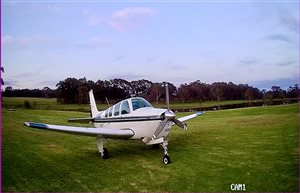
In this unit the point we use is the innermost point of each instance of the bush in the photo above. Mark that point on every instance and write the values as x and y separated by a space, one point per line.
27 104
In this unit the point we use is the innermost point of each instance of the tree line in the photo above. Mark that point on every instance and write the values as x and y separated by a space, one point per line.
73 90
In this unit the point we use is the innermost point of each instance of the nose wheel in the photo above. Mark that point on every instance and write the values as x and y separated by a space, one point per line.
166 158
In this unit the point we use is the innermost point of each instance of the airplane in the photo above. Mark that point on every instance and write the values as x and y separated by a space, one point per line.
132 118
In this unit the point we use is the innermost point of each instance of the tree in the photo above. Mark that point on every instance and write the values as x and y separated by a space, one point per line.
249 93
67 91
183 92
293 91
156 91
48 93
8 91
122 84
217 90
276 90
82 97
141 88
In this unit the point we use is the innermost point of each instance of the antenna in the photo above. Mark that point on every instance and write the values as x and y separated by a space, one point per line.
107 102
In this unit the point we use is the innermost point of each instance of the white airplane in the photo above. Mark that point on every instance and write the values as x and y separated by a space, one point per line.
133 118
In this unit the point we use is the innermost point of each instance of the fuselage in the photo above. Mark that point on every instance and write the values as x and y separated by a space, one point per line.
136 114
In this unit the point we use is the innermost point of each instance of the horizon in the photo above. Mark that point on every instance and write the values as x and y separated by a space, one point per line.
254 43
177 86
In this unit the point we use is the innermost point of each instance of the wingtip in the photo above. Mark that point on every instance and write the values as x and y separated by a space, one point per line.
200 113
27 124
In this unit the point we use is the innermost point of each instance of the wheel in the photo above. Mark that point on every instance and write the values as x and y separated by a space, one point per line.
166 160
105 154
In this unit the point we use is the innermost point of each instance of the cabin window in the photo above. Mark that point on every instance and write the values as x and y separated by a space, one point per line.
117 109
139 103
125 108
106 113
110 112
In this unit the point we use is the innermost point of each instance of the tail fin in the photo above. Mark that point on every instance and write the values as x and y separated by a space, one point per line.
94 110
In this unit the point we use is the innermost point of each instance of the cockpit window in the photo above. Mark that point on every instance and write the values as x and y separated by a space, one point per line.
110 112
125 108
117 109
139 103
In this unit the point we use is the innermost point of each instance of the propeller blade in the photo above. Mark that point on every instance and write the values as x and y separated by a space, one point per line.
167 95
159 129
180 124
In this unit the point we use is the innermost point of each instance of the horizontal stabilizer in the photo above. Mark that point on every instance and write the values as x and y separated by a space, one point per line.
125 133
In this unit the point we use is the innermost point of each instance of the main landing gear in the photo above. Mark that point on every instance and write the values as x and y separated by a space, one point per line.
103 151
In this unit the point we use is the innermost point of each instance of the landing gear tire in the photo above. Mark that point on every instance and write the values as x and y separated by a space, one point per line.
105 154
166 160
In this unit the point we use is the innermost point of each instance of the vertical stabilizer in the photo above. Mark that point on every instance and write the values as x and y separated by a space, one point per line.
94 110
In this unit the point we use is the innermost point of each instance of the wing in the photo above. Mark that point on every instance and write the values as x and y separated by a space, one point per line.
125 133
188 117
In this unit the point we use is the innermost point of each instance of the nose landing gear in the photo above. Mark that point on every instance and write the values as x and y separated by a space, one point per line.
166 158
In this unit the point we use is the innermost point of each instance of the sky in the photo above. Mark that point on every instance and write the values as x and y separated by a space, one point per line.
244 42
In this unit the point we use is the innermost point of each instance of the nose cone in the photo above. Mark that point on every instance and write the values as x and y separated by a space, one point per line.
169 114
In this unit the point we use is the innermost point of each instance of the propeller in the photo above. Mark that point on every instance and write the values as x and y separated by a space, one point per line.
167 95
169 114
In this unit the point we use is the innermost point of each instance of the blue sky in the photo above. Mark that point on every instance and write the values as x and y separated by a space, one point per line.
248 42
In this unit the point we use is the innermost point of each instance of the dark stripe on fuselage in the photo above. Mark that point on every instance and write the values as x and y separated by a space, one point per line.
127 119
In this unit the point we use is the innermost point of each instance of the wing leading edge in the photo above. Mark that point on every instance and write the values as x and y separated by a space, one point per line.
125 133
188 117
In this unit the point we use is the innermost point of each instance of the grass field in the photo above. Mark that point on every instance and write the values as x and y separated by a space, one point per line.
256 146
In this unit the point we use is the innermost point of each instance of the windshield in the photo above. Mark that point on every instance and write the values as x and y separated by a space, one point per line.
139 103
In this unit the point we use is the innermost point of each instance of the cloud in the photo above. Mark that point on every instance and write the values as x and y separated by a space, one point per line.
26 41
176 67
30 84
29 74
284 83
16 83
150 59
92 19
118 58
47 83
286 63
249 61
173 66
54 9
11 83
128 77
279 37
291 23
23 41
7 40
94 43
129 18
36 78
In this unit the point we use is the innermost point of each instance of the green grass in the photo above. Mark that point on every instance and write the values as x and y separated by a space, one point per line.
257 146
